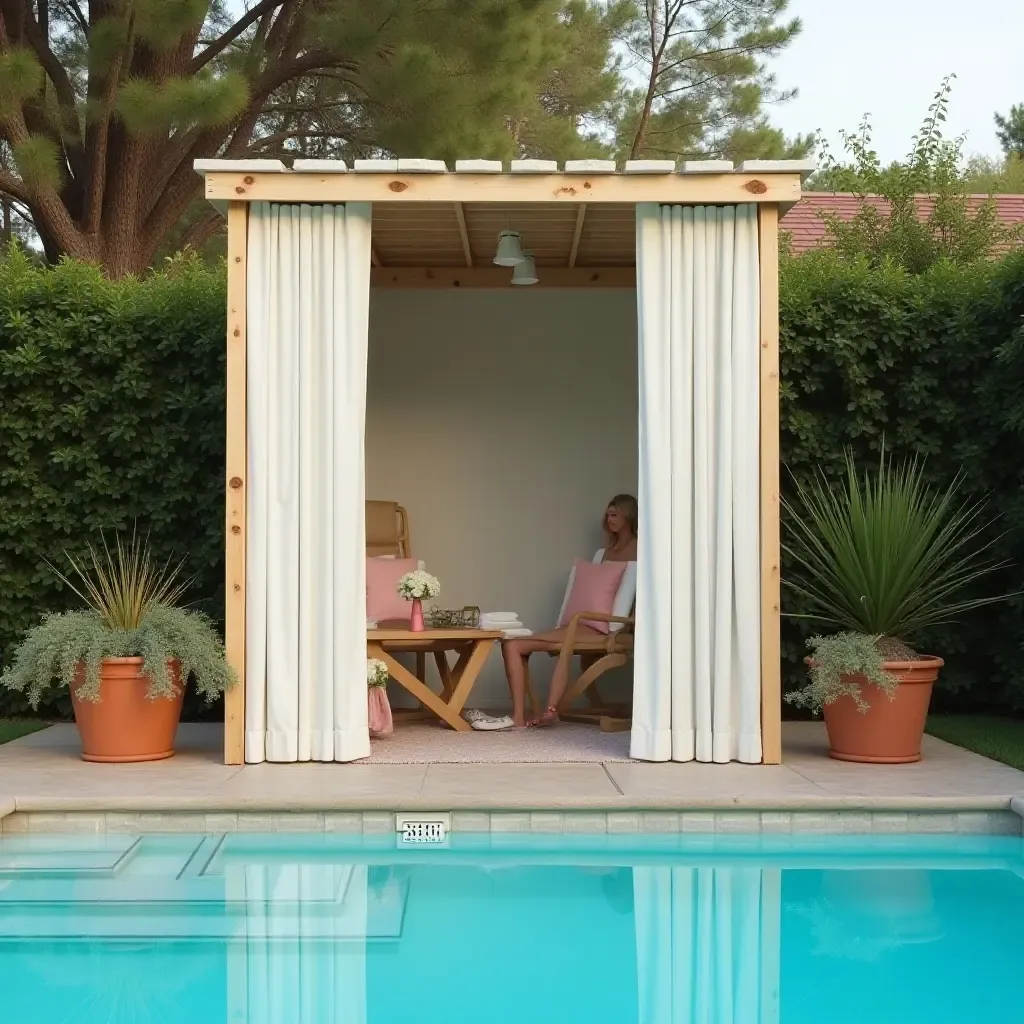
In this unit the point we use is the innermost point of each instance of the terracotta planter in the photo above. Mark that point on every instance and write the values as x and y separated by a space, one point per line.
890 731
124 724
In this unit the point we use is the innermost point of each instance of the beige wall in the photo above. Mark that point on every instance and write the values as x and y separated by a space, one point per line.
503 421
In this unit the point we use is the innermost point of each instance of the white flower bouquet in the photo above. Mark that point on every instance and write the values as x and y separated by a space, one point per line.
378 708
418 586
376 672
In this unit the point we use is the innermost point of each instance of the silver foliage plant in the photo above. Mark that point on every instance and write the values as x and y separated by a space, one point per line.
836 661
52 651
131 611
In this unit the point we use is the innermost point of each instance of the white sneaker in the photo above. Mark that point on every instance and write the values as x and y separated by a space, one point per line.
488 724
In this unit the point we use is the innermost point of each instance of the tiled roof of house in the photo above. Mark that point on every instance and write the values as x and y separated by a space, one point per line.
807 229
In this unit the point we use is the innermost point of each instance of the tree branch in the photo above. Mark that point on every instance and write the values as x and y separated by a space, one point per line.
220 45
13 187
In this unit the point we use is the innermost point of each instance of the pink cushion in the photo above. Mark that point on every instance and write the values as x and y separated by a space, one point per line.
594 587
382 576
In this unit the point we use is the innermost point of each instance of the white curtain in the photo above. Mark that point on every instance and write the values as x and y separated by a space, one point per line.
697 691
705 945
308 311
300 955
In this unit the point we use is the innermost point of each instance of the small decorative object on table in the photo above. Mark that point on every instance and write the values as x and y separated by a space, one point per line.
418 586
454 618
378 708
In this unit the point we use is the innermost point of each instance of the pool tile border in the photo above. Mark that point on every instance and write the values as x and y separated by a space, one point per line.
767 822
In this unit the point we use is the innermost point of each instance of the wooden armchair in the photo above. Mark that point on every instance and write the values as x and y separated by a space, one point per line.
598 655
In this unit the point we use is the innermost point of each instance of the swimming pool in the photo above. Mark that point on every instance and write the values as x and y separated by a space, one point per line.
320 929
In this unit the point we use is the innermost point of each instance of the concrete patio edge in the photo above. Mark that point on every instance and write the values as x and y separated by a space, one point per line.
297 804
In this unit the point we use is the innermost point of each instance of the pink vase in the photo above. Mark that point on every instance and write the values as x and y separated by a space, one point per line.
416 622
378 712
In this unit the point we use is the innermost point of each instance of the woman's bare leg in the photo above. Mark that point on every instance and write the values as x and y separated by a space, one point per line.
514 656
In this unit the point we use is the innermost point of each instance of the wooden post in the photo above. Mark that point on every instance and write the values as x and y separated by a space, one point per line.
771 945
771 597
236 468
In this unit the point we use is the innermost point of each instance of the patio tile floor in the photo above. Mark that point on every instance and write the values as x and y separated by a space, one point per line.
42 773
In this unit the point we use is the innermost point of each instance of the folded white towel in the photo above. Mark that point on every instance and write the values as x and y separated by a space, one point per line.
499 616
511 634
484 624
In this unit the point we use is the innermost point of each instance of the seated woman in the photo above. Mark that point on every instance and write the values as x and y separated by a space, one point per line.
620 526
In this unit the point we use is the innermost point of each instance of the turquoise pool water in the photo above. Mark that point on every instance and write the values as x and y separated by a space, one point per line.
282 929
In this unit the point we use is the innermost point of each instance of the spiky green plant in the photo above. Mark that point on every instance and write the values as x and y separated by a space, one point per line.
124 584
131 612
882 557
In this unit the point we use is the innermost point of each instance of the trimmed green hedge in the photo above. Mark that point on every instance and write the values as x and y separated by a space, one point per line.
935 364
112 410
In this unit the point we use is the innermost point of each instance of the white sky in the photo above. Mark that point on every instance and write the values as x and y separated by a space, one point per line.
888 57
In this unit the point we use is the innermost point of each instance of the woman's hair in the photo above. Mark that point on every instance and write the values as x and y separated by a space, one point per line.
625 505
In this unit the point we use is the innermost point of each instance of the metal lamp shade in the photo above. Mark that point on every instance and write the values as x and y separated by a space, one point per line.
510 252
526 271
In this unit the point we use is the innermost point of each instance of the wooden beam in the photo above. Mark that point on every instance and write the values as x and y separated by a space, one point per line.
460 216
505 188
501 277
771 585
235 485
581 216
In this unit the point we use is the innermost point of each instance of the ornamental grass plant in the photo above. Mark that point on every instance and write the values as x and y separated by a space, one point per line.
880 558
132 609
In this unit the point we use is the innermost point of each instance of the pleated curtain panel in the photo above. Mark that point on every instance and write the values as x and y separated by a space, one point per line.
706 945
298 954
307 311
696 691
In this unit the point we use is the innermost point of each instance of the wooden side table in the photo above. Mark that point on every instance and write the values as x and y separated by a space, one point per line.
472 647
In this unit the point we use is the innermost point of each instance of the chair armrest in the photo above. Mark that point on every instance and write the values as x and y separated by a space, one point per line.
569 643
599 617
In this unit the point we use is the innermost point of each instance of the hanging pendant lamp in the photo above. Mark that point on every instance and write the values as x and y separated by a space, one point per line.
510 252
525 272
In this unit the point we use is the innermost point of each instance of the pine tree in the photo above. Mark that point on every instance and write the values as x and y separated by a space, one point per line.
1011 131
704 79
105 104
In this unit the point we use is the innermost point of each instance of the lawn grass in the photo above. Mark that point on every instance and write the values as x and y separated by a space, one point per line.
12 728
1002 739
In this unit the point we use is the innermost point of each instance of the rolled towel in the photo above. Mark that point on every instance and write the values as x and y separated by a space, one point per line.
499 616
501 625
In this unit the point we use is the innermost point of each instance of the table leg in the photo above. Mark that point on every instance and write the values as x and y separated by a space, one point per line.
468 669
441 661
401 675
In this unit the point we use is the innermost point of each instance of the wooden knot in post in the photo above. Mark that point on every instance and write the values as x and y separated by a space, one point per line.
398 186
248 179
236 529
235 482
587 184
239 190
237 333
238 586
757 188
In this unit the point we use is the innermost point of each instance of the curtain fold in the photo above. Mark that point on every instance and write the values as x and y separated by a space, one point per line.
308 313
704 944
301 954
697 672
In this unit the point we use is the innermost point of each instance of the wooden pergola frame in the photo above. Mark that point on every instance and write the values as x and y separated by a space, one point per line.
476 191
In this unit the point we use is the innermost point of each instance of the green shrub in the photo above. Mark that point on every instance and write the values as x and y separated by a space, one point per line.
112 410
933 364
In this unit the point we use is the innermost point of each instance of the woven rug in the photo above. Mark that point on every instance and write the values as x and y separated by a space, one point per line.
426 743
